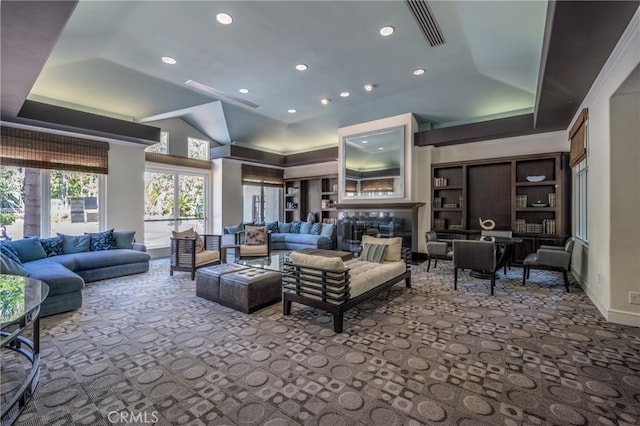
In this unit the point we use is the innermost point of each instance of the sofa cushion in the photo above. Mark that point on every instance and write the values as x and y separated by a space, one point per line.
277 238
284 227
59 279
190 233
124 239
327 230
394 249
373 252
75 243
233 229
100 259
255 235
29 249
7 249
11 267
366 275
53 246
308 239
272 226
305 227
295 227
334 264
102 240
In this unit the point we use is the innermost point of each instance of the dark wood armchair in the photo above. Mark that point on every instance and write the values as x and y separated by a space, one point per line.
187 255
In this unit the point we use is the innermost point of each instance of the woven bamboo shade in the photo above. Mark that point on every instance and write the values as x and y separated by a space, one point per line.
39 150
351 186
174 160
377 185
577 136
262 175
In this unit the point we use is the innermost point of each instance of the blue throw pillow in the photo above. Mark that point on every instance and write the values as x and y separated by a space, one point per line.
327 230
316 228
75 243
295 227
7 249
9 266
284 227
234 229
273 227
102 240
52 246
124 239
29 249
305 227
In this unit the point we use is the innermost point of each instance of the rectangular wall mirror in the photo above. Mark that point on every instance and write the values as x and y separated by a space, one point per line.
373 164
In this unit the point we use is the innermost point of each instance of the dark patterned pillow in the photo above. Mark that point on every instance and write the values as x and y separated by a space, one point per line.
102 240
272 226
316 228
295 227
53 246
8 250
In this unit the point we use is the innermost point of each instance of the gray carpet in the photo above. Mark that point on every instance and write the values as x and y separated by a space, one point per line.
147 345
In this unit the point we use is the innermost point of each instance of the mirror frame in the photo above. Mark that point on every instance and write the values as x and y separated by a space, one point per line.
401 193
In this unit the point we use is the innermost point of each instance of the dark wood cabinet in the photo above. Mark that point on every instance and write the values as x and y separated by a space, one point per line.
529 195
318 195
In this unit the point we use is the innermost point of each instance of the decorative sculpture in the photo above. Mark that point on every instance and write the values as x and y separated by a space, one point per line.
487 224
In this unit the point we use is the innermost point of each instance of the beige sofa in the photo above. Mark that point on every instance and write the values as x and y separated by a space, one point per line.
334 285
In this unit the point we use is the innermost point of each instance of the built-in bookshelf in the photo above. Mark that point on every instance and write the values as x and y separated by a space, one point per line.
529 195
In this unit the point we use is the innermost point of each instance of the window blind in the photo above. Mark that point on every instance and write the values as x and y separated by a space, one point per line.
577 136
174 160
262 175
377 185
39 150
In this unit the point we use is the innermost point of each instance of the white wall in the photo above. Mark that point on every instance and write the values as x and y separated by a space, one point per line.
625 201
599 284
125 189
227 193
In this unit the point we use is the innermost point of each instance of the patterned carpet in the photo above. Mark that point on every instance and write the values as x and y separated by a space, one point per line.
144 348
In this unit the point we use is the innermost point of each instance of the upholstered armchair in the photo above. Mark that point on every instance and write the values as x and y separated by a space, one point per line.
555 258
254 241
188 253
492 234
476 255
437 249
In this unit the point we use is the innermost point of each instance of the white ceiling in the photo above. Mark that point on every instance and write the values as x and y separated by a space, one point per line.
107 61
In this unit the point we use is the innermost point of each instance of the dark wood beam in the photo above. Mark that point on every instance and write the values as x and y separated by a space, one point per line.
256 156
312 157
59 118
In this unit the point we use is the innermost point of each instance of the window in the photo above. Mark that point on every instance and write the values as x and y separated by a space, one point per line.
162 146
198 148
580 200
261 203
174 201
43 203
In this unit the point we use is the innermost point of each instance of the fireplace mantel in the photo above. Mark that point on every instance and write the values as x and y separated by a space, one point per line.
379 206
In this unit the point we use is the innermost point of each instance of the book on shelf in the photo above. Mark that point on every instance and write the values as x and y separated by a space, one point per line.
450 205
552 199
437 202
455 227
439 223
331 220
440 181
521 201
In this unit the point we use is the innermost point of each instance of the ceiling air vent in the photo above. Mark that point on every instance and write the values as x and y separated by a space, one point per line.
218 94
426 21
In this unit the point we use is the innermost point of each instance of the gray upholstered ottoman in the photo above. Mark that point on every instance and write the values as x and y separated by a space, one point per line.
250 289
208 279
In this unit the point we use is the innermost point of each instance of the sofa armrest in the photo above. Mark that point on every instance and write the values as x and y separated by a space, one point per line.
139 247
545 247
437 248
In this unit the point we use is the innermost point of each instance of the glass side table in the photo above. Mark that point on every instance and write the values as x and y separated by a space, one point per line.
20 299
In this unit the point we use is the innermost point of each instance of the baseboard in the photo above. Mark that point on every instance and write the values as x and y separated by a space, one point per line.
625 318
604 311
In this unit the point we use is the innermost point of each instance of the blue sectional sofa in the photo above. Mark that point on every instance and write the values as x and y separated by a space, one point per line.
66 273
295 235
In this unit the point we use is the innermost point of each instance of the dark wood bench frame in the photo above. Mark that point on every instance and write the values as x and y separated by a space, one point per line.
326 285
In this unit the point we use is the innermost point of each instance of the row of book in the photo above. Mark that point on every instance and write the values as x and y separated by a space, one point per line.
440 181
522 202
438 203
548 226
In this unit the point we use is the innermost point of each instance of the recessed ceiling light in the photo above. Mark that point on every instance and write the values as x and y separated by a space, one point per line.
380 149
302 67
369 87
387 31
291 111
245 91
169 60
364 142
345 94
325 101
224 18
419 71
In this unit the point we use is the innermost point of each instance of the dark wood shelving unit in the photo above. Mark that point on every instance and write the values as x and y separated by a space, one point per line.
317 194
498 189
